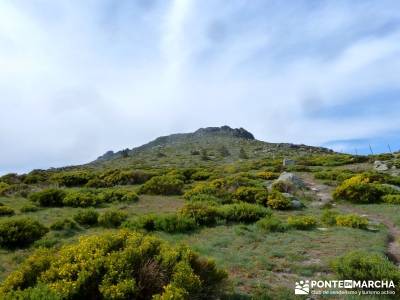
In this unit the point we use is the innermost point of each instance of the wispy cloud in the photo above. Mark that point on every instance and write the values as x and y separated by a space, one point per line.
78 78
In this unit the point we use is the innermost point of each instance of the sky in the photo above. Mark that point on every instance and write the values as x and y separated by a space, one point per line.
79 78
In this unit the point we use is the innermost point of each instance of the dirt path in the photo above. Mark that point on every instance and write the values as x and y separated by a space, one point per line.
324 195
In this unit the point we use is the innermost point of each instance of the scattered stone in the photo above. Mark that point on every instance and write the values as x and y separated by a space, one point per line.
292 178
296 204
322 228
288 162
380 166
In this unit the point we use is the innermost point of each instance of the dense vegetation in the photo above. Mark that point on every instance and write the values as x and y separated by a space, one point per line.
117 228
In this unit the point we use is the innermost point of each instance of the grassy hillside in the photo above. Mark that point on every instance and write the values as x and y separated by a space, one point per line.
116 228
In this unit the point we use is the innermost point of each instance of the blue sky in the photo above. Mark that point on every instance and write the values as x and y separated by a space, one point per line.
78 78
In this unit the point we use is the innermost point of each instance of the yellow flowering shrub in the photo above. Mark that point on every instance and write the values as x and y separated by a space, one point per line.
121 265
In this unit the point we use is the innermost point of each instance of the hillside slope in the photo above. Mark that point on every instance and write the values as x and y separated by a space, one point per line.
211 145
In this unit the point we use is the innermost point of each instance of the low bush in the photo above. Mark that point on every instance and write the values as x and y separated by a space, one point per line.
20 232
243 212
201 212
251 195
118 195
361 265
112 218
122 265
205 198
163 185
4 188
49 197
276 200
72 178
302 222
6 211
359 189
81 198
121 177
174 223
272 224
29 208
267 175
146 222
391 199
352 220
329 217
201 175
283 186
66 224
88 217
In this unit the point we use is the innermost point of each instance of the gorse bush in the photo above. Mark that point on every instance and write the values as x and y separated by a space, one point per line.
81 198
29 208
283 186
4 188
329 217
359 189
123 265
163 185
251 195
361 265
174 223
391 199
201 212
118 195
49 197
87 217
272 224
276 200
267 175
20 232
6 211
302 222
72 178
243 212
339 175
65 224
352 220
112 218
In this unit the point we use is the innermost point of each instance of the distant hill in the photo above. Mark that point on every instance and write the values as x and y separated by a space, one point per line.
204 146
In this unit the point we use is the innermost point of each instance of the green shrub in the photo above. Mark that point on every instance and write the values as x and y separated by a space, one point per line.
72 178
271 224
251 195
163 185
122 177
6 211
20 232
122 265
302 222
19 190
359 189
267 175
146 222
118 195
201 175
277 200
351 220
96 183
391 199
87 217
174 223
49 197
112 218
66 224
201 212
205 198
329 217
282 186
81 198
243 212
361 265
29 208
336 174
4 188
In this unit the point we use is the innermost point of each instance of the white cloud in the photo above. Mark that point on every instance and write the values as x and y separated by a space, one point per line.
79 78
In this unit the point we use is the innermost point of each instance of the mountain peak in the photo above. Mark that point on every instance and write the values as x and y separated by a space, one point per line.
225 131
